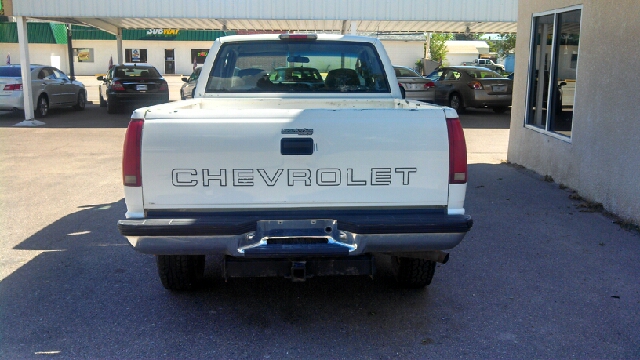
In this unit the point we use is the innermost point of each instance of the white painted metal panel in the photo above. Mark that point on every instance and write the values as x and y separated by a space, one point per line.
230 158
400 10
316 15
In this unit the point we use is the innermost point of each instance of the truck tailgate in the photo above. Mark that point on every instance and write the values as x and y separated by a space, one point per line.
295 158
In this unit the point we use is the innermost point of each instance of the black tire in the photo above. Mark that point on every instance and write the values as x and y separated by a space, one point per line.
499 110
112 106
82 101
180 272
413 273
103 102
43 107
193 93
456 102
182 95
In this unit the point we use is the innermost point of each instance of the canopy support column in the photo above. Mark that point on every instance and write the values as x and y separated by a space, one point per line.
25 72
119 46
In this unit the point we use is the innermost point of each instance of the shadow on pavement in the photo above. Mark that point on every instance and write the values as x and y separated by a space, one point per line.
473 118
534 278
93 116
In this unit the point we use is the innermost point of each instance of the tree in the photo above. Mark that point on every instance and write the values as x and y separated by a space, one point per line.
437 46
503 45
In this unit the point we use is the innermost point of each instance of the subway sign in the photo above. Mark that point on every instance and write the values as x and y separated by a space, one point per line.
163 32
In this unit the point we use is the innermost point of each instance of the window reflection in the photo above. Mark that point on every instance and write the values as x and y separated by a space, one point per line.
552 79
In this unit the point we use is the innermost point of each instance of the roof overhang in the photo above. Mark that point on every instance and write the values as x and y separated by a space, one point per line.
326 26
370 16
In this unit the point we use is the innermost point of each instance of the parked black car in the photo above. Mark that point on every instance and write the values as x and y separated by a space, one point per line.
132 84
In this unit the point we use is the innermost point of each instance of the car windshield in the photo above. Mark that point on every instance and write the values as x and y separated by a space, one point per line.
297 66
294 74
135 71
435 75
482 73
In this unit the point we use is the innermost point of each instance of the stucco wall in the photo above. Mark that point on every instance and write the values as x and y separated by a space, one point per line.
103 49
404 53
602 159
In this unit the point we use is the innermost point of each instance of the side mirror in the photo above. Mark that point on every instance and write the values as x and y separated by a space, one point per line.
563 83
101 78
184 79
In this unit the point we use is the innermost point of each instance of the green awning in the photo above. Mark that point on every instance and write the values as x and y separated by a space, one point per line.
37 33
55 33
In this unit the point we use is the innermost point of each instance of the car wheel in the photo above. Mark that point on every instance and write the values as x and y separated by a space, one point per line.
413 273
182 97
43 106
103 102
82 101
499 110
180 272
112 106
456 102
193 93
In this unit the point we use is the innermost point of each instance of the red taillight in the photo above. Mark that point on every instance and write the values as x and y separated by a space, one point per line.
131 172
298 37
429 85
163 86
457 152
117 86
13 87
475 85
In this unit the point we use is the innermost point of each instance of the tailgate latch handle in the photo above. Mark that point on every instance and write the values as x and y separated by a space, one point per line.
295 146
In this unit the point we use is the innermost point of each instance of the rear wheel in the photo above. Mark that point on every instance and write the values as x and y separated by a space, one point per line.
413 273
82 101
103 102
43 106
182 95
180 272
456 102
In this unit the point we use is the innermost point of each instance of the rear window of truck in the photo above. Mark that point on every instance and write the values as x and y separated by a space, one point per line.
297 66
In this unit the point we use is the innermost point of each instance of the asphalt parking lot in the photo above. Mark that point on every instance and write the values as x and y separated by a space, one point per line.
538 276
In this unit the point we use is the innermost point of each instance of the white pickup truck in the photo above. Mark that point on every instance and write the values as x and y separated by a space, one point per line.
487 63
310 170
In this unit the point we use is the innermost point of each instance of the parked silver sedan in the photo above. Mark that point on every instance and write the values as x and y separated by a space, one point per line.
413 86
187 91
51 88
471 86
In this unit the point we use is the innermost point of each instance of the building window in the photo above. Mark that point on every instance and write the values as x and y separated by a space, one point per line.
135 55
553 64
83 55
198 55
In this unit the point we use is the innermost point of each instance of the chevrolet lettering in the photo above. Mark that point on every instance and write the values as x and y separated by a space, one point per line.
298 158
304 177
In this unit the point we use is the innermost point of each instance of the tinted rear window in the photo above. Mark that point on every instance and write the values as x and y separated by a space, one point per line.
481 74
10 71
297 66
134 71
